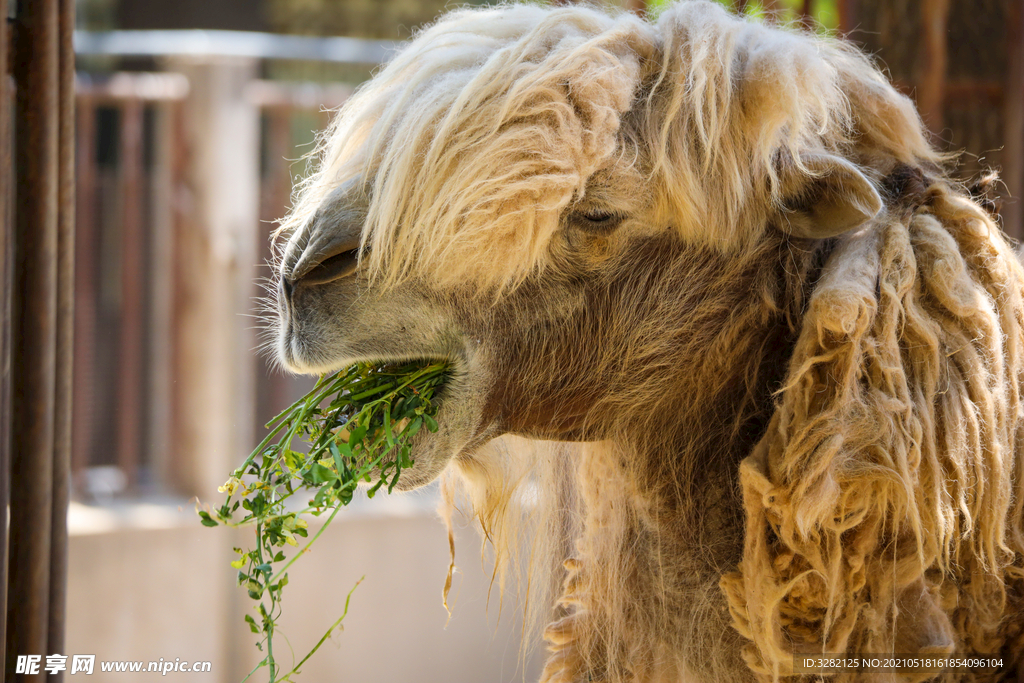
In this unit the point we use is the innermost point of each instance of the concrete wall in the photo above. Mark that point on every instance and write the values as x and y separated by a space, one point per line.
148 582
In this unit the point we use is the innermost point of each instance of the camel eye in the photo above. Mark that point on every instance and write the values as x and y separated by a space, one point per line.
597 219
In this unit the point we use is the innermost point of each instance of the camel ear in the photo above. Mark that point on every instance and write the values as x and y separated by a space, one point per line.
836 199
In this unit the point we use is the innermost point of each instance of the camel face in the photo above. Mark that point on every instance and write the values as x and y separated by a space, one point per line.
514 368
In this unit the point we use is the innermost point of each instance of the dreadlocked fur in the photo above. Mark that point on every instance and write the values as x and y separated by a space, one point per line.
883 505
787 441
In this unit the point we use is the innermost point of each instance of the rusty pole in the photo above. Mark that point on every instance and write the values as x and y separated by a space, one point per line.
6 245
34 326
64 380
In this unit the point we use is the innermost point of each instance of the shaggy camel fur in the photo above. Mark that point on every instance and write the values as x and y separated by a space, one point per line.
774 350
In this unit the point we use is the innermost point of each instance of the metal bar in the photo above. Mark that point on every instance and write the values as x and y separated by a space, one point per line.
847 16
180 216
807 13
64 380
34 317
130 347
931 89
6 263
160 303
86 240
201 43
1013 134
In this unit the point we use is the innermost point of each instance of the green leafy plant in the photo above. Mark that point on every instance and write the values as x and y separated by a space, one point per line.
358 424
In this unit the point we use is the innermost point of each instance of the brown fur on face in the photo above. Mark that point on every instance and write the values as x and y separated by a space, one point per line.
723 262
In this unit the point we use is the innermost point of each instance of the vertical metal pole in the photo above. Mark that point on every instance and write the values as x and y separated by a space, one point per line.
129 386
180 230
6 246
160 274
807 14
931 90
86 241
1013 133
34 326
64 380
847 16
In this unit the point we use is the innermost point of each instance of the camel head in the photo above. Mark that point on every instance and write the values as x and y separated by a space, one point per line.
548 197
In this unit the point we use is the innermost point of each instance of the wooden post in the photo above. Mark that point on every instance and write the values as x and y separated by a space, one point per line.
165 186
219 247
847 16
1013 122
34 323
931 88
130 346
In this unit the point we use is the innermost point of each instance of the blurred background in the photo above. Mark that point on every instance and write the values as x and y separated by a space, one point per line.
192 118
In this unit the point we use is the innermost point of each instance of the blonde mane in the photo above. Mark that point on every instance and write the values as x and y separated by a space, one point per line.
445 117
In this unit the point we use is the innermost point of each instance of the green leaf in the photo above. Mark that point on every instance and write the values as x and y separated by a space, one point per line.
387 425
413 427
321 475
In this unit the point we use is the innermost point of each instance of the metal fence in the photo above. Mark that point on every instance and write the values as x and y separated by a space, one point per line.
37 146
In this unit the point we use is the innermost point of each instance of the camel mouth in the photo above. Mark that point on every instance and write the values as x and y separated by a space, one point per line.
455 416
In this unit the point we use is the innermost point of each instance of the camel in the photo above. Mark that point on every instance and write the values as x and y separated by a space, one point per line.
753 354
